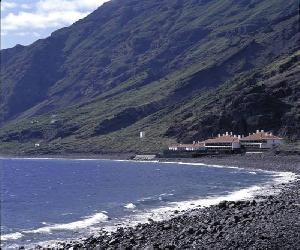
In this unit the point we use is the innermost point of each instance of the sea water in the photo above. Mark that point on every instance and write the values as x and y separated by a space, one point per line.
48 200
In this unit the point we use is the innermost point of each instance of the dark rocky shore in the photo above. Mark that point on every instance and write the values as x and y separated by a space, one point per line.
266 222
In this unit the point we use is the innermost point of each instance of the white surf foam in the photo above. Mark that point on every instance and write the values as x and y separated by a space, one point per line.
12 236
166 212
130 206
163 196
243 194
81 224
199 164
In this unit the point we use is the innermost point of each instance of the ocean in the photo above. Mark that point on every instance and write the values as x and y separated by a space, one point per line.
48 200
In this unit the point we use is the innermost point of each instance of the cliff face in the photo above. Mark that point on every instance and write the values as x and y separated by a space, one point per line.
130 64
264 99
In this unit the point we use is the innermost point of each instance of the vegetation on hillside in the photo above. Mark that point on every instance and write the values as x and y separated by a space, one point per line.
178 70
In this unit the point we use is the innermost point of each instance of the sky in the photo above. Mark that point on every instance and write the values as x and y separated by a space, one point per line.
25 21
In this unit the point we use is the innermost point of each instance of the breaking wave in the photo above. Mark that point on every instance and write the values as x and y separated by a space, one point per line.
130 206
81 224
12 236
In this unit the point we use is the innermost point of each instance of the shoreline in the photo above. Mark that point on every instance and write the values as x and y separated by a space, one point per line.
265 162
265 221
192 228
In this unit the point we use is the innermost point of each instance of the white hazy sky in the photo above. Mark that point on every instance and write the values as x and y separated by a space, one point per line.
25 21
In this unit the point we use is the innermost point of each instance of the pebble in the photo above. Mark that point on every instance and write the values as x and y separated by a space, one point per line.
266 222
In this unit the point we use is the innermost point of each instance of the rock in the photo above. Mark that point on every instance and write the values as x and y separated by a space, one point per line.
247 203
253 203
231 205
214 223
140 237
264 236
210 229
223 221
249 225
113 241
182 232
201 231
150 220
217 235
191 230
170 247
236 218
247 220
167 226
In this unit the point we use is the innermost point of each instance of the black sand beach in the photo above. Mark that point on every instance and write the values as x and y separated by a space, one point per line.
269 221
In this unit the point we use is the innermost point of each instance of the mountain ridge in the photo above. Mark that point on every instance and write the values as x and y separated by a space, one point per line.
130 60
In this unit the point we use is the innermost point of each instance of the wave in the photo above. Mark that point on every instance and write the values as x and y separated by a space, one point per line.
87 222
156 198
171 208
81 224
164 196
65 214
252 172
165 212
130 206
160 213
12 236
181 163
199 164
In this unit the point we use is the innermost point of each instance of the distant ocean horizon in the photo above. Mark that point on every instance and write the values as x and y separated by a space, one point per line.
45 200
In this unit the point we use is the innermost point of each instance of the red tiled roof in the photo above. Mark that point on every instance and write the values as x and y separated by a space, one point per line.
223 138
260 136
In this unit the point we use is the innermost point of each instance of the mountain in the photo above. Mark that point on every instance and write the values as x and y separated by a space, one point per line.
263 99
179 70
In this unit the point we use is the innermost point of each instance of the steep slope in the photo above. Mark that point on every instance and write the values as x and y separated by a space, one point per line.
145 65
266 98
138 42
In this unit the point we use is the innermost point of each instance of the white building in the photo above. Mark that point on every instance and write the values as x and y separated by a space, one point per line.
226 141
142 134
187 147
261 140
229 142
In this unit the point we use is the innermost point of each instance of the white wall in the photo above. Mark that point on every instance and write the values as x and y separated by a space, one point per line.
236 145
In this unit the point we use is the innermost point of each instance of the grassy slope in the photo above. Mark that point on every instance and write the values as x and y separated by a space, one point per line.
128 44
108 87
208 113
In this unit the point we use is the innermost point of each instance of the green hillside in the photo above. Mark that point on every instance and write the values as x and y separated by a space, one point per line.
178 70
